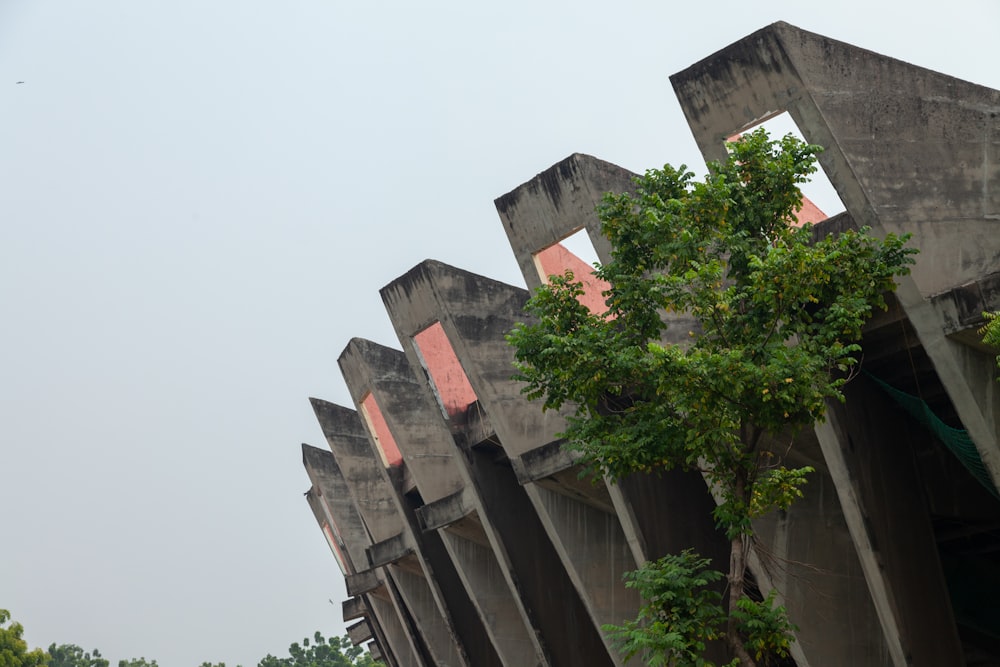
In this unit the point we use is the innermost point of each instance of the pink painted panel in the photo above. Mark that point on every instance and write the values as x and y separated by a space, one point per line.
383 437
556 259
335 548
446 372
809 213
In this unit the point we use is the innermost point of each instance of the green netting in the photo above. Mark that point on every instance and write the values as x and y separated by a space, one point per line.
955 439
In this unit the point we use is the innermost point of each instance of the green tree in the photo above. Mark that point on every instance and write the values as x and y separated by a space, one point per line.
779 316
991 332
13 649
71 655
137 662
321 652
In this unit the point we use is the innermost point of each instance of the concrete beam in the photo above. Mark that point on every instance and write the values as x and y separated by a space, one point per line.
383 513
475 314
418 429
354 608
362 582
359 633
336 505
908 151
916 153
555 204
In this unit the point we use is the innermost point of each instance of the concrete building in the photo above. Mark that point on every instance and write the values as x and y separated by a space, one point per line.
462 527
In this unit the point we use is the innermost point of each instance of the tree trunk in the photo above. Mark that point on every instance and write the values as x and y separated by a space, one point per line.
737 579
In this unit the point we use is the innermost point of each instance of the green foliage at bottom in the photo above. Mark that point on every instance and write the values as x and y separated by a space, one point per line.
13 649
322 652
683 612
991 332
71 655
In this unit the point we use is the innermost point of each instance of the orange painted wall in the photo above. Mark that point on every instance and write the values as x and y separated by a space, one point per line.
446 372
376 422
556 259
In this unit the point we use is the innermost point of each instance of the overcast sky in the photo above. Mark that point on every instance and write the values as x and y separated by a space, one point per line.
199 201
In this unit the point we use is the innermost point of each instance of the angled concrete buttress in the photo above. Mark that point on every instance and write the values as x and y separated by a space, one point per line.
333 505
474 314
429 577
909 151
393 550
358 606
411 416
646 503
474 542
537 215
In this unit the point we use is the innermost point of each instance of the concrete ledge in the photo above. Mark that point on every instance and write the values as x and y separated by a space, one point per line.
962 307
359 633
445 511
389 551
363 582
354 608
543 462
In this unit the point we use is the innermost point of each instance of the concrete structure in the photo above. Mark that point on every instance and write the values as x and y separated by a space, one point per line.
463 529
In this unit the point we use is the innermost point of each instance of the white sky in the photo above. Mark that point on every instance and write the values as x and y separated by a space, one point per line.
198 204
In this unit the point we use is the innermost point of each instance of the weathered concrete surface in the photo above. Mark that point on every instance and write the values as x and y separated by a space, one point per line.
438 468
483 500
908 150
331 502
337 507
434 461
556 203
564 197
475 313
383 512
552 599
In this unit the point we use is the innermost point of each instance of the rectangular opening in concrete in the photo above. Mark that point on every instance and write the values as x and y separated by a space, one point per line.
448 380
819 198
375 422
574 253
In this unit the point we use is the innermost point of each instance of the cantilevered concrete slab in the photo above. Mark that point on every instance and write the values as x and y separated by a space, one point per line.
416 424
381 508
